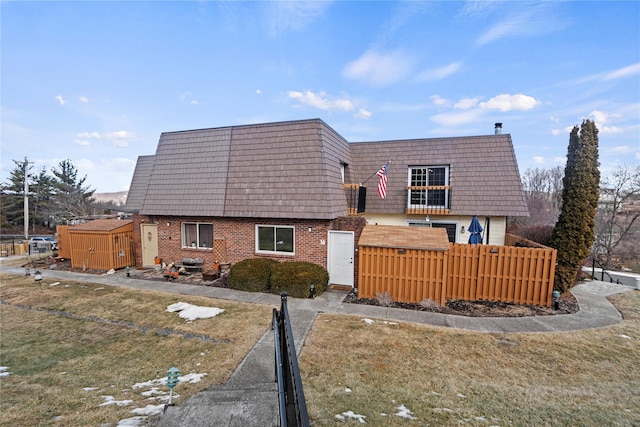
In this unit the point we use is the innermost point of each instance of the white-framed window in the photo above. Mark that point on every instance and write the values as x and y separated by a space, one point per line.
275 239
197 235
425 186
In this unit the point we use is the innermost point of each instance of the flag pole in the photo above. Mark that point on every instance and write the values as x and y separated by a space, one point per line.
373 174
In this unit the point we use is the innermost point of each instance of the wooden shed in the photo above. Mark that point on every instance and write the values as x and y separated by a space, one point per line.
410 263
102 244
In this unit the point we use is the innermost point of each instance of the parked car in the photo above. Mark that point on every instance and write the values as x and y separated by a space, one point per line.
44 242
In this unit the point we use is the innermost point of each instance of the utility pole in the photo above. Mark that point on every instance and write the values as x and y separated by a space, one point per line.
25 166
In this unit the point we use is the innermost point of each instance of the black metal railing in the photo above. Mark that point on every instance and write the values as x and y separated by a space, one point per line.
293 407
602 272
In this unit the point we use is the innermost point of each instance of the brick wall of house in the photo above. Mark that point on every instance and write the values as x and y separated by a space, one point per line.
236 239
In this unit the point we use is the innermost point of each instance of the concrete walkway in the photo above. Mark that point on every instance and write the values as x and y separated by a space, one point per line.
249 398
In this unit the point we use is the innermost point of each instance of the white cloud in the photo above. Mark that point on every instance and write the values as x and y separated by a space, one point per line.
321 101
363 114
437 100
194 102
440 73
60 100
507 102
82 142
538 159
466 103
294 15
457 118
379 69
527 21
83 99
85 135
623 72
258 91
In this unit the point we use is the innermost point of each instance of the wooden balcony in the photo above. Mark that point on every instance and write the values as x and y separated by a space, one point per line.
356 196
436 203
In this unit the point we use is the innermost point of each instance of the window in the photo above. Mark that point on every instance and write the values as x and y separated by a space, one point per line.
423 177
450 227
275 239
197 235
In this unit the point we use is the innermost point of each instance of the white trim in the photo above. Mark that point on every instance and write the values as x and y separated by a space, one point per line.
257 240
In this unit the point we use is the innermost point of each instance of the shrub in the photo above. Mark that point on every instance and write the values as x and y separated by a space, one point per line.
252 274
295 277
384 299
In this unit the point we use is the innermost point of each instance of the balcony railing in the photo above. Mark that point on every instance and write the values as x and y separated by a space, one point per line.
428 200
356 196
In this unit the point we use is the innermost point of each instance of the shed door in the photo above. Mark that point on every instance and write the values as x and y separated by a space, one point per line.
149 244
341 258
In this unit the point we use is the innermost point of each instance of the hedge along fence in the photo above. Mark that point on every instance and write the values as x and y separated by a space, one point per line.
464 272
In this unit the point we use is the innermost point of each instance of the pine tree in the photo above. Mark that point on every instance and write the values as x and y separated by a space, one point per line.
71 198
574 232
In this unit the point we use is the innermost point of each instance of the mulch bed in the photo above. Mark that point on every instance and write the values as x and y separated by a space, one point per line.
567 305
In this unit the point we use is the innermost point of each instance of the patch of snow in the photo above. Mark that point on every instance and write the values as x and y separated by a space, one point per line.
192 312
351 414
99 289
369 321
462 396
112 271
481 418
347 390
190 378
110 400
625 336
404 412
153 392
54 284
148 410
4 372
89 388
450 411
131 422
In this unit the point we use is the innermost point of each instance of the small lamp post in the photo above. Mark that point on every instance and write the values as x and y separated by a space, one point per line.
27 271
37 276
128 270
556 299
173 377
312 291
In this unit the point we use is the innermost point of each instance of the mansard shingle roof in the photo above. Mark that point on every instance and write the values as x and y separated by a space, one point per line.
293 170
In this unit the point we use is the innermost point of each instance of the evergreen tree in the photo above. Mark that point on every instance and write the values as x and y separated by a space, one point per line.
13 195
574 232
71 198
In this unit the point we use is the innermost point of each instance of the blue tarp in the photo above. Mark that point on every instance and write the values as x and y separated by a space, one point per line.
475 229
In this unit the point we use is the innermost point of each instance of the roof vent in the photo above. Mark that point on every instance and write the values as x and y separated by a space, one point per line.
498 128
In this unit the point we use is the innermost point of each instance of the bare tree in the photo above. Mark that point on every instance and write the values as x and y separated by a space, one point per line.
543 191
618 212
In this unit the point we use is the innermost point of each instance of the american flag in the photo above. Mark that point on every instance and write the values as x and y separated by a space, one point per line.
382 184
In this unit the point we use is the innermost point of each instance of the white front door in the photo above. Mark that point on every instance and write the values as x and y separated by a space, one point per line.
341 258
149 237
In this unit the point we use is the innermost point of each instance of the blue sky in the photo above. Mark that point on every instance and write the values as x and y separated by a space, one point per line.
97 82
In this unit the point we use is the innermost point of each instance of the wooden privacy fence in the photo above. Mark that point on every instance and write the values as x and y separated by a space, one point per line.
501 273
464 272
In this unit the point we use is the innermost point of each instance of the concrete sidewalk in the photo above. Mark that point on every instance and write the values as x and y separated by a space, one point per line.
250 398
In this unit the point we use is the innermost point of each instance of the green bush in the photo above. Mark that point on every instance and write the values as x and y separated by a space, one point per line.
252 274
294 278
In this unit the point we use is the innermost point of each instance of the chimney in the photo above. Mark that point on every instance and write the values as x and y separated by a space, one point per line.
498 128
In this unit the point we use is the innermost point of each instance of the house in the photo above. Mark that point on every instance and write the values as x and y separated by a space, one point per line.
298 191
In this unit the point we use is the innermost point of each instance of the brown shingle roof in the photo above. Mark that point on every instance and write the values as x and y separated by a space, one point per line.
292 170
403 237
273 170
139 183
483 173
101 225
